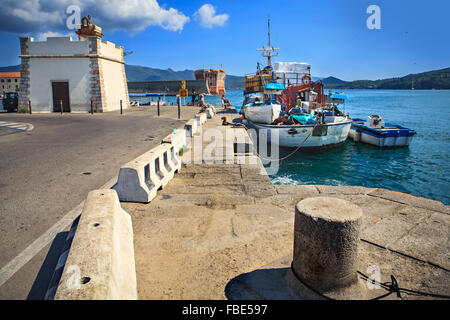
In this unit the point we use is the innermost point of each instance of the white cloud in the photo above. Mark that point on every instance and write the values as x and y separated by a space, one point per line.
208 17
40 16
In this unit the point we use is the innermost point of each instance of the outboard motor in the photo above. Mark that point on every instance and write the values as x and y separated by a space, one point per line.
375 121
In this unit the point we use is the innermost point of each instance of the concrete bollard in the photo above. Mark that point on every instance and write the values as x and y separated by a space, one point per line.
100 263
326 238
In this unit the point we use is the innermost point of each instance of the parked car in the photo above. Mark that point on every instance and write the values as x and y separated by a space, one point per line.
10 101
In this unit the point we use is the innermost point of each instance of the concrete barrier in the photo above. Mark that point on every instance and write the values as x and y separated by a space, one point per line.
140 179
191 128
209 113
101 264
159 157
177 139
201 119
174 160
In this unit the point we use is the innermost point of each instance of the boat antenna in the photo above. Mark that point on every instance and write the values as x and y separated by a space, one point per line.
267 52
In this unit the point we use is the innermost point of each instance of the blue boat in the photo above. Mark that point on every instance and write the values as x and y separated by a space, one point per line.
376 132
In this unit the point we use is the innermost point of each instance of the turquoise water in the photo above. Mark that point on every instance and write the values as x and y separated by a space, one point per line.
422 170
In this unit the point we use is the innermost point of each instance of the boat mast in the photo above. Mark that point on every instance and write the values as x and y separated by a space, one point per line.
267 52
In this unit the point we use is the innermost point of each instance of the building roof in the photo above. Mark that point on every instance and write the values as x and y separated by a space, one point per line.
9 74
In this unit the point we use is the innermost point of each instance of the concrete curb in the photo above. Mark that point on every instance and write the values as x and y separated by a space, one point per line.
54 282
100 264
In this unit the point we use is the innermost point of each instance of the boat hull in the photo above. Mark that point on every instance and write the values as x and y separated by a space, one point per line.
324 136
265 114
383 138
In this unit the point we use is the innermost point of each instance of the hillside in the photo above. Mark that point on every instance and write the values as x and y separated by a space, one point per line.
437 79
332 80
140 73
10 69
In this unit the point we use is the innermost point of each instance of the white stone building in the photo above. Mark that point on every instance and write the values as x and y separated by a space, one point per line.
72 74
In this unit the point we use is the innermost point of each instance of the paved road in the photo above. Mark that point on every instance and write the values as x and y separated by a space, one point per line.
46 172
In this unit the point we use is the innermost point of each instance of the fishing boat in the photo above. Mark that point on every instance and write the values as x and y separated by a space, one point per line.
377 132
292 110
311 119
308 123
260 90
263 107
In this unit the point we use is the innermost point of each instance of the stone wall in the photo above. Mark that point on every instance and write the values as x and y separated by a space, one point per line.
96 75
24 93
112 70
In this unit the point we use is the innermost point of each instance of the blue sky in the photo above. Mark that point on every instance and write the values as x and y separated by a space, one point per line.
330 35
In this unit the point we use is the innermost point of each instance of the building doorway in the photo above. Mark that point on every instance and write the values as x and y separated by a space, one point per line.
61 96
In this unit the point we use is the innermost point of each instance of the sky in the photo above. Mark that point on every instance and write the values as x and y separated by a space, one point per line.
331 35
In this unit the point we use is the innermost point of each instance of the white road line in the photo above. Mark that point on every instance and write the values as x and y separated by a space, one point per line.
33 249
17 125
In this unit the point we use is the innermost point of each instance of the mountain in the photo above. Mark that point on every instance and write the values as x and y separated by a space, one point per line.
436 79
234 83
332 80
10 69
140 73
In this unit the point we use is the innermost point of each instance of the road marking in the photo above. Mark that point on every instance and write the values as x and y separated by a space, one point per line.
17 126
33 249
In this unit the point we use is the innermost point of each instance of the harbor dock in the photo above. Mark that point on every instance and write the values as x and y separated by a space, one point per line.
221 230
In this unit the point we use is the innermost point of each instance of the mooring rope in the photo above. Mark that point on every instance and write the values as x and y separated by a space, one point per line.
391 287
290 154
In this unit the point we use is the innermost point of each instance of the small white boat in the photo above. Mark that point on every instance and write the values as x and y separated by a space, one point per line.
376 132
309 136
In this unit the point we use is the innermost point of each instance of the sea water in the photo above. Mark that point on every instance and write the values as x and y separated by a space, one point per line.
422 169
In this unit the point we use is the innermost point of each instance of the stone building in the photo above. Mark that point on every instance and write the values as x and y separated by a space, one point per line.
9 82
215 79
61 72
